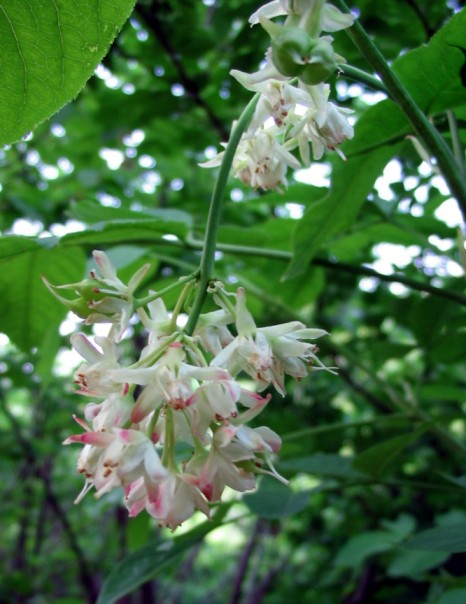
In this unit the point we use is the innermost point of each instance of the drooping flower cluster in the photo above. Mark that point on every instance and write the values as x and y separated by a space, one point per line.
293 111
184 393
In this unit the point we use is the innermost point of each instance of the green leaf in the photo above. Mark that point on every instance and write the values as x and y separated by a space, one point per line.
276 500
27 308
352 181
49 50
431 73
453 596
360 547
450 538
323 464
376 459
410 563
92 212
121 231
145 563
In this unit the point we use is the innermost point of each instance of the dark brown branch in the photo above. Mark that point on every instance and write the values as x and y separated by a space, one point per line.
243 563
422 18
189 84
43 474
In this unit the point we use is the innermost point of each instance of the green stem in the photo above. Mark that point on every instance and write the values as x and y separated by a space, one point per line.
358 75
306 432
179 303
456 143
213 219
244 250
138 302
425 131
168 456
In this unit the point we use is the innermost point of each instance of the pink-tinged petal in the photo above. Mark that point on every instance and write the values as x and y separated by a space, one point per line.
106 268
225 435
130 437
153 465
82 423
97 439
136 508
270 437
148 401
255 402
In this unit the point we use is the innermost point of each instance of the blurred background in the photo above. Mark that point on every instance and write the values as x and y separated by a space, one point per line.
373 454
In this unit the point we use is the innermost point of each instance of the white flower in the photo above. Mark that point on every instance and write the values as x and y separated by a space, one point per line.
328 17
93 377
323 124
117 308
176 501
212 330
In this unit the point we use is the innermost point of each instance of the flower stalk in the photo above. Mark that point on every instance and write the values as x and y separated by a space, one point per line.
424 129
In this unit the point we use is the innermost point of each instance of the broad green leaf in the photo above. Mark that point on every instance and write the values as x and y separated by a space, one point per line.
360 547
349 246
49 50
92 212
148 230
276 500
28 310
322 464
431 73
410 563
145 563
450 538
376 459
352 181
453 596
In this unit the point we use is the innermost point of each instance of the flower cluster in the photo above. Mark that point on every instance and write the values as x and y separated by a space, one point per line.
293 110
183 394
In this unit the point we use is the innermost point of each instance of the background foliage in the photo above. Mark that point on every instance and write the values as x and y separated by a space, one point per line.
375 455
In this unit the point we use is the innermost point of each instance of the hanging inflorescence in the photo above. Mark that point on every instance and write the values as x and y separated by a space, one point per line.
293 111
172 428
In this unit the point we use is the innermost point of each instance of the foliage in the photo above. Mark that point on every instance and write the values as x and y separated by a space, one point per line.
374 511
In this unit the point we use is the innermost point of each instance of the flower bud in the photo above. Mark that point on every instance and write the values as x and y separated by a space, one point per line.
321 63
290 51
295 53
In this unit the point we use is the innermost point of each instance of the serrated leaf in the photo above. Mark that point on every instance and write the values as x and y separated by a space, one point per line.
450 538
431 73
276 500
145 563
376 459
27 309
49 50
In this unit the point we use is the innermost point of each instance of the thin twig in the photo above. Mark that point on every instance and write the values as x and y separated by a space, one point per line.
150 16
84 572
243 563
